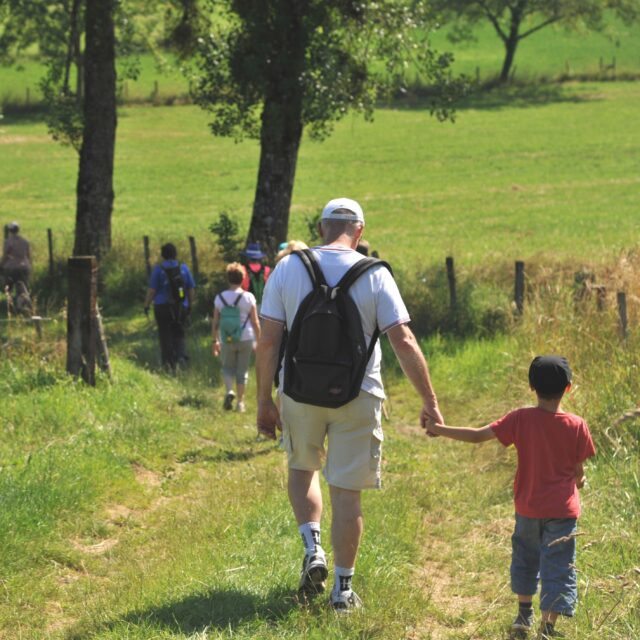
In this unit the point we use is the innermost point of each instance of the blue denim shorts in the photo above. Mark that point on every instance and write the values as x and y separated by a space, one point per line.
535 558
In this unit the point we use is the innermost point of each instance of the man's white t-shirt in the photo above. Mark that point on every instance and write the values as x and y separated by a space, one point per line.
245 304
375 293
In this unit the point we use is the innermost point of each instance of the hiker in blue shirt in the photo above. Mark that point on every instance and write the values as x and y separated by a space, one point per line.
171 289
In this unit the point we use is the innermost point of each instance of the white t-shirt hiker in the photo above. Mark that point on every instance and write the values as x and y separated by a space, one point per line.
386 306
245 304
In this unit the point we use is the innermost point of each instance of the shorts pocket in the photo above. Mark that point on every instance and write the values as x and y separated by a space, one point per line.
375 459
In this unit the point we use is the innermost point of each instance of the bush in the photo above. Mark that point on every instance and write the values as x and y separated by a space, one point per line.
481 310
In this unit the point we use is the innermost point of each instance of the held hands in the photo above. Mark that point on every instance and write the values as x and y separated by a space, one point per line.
430 417
268 419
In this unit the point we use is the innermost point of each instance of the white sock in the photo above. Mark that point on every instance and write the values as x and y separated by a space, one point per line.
343 578
310 532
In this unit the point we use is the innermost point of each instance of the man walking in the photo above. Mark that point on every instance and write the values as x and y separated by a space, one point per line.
352 459
172 291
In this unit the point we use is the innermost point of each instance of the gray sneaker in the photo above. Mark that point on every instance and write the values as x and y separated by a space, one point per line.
314 573
345 601
522 624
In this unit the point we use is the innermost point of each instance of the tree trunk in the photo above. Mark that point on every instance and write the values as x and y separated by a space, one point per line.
510 46
280 133
95 175
512 40
279 144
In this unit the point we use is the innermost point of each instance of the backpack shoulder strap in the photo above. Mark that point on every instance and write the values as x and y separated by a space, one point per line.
235 304
351 276
224 302
311 265
358 269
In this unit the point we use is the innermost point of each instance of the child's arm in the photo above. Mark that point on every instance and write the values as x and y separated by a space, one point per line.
580 477
464 434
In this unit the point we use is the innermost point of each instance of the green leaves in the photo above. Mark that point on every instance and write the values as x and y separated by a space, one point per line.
332 55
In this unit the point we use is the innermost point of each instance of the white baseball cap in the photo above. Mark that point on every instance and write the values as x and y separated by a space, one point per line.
343 209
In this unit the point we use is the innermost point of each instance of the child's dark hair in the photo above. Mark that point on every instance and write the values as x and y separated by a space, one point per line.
550 376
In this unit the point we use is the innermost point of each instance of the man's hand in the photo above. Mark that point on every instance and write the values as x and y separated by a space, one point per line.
268 419
429 417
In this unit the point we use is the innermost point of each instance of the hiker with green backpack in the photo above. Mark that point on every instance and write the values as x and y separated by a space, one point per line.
234 330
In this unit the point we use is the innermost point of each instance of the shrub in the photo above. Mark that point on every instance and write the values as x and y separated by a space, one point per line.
481 310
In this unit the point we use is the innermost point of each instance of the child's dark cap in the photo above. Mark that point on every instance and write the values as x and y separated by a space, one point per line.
549 375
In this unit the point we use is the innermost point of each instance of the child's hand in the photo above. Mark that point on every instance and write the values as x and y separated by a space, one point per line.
429 416
431 427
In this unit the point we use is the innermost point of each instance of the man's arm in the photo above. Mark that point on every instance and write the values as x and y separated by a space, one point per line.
151 294
415 368
464 434
267 354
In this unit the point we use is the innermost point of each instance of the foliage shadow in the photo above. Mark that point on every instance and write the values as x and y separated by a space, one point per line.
492 98
220 609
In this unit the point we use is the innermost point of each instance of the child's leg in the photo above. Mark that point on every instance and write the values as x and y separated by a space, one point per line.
559 592
525 557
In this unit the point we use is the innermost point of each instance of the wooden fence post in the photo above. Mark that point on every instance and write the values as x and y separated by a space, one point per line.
147 255
194 256
519 287
451 277
622 312
81 320
50 242
37 324
103 350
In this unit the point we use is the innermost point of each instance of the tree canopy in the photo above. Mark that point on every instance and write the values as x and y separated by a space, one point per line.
270 68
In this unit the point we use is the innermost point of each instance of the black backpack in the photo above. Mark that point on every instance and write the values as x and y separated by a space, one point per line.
326 353
177 293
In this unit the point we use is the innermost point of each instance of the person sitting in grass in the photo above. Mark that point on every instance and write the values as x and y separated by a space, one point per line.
551 446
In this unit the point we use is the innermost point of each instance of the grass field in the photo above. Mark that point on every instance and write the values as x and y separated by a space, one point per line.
543 171
139 510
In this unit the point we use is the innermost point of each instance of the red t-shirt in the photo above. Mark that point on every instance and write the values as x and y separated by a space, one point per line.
549 447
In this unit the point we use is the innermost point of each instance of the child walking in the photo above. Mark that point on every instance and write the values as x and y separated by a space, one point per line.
552 446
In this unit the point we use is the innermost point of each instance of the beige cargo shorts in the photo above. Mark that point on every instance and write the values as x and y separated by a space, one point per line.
353 436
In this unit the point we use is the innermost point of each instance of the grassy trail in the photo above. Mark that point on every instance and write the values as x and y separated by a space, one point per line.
197 541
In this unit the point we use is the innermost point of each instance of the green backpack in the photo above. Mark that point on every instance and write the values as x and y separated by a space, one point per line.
230 326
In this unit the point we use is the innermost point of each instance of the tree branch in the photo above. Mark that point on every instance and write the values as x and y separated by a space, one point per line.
542 25
493 19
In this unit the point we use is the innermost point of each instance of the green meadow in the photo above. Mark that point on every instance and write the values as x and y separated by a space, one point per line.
140 510
548 169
